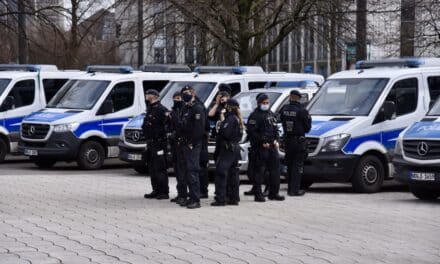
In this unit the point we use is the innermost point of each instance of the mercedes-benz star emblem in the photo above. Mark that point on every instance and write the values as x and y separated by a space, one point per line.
31 130
136 136
422 148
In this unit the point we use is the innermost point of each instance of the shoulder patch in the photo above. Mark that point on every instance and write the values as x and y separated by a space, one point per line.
197 116
252 122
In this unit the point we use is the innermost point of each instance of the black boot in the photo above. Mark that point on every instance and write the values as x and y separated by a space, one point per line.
276 197
193 205
151 195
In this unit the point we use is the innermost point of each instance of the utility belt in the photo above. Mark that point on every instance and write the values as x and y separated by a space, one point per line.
231 145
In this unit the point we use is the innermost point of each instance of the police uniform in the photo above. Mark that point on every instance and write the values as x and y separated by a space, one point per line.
204 156
228 138
193 132
296 122
155 127
178 158
262 129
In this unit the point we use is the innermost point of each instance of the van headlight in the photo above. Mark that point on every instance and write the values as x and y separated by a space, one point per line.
65 127
398 147
334 143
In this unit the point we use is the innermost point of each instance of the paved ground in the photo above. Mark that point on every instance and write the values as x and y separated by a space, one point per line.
69 216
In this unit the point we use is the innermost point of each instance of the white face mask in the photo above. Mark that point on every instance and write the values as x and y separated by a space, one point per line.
264 107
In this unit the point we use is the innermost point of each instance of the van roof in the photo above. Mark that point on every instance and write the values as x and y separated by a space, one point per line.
43 74
281 90
382 72
134 75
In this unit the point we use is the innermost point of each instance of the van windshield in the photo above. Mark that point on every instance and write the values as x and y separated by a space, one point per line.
248 102
203 90
79 94
3 84
435 110
347 97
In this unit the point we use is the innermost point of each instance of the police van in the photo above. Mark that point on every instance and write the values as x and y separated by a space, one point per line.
417 153
25 89
278 97
358 115
84 119
206 80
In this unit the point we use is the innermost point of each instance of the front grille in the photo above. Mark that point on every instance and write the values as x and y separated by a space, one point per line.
312 144
134 136
422 149
34 131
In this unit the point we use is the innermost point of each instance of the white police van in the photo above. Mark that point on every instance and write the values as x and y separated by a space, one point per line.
206 80
278 97
417 153
84 119
25 89
358 115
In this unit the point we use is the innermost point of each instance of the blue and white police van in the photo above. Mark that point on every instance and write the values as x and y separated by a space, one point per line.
206 80
25 89
84 119
417 153
358 115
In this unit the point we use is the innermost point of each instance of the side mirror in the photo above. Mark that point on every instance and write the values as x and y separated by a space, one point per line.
8 104
106 108
388 110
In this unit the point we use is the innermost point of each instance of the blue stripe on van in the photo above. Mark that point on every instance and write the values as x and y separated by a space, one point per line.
423 130
106 126
386 138
321 127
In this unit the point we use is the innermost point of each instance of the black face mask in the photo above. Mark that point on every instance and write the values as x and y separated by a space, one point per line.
223 104
187 97
178 103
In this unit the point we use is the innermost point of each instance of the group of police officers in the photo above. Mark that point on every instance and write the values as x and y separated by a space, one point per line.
179 137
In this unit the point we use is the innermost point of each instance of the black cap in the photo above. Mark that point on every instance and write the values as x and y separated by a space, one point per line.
186 88
261 97
177 94
295 92
232 102
152 92
224 87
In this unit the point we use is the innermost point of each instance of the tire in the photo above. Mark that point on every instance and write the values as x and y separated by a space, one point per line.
91 155
424 194
44 163
3 150
305 184
140 167
369 175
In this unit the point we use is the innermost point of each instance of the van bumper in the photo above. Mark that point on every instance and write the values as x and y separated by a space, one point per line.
404 170
130 154
330 167
60 146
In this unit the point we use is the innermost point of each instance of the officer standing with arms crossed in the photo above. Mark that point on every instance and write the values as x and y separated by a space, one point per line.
193 131
176 141
296 123
263 134
155 127
228 138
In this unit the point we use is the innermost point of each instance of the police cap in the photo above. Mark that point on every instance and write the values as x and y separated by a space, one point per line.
152 92
295 92
232 102
261 97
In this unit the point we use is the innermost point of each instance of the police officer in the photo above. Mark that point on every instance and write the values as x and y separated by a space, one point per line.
296 122
155 127
176 141
193 132
263 134
228 138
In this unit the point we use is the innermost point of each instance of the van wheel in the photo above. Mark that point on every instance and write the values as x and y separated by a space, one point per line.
368 176
424 194
3 150
140 167
44 163
305 184
91 156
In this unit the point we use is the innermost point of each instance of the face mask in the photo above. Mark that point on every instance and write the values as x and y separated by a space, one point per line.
264 107
187 97
178 103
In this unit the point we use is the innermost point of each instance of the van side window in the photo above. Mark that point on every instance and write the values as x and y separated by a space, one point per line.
23 93
404 94
51 87
434 87
235 88
156 85
256 85
122 95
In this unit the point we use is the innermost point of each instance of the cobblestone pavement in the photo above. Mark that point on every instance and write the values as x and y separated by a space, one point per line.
69 216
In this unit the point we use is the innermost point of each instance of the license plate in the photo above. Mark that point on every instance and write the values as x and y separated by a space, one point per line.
134 156
30 152
422 176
